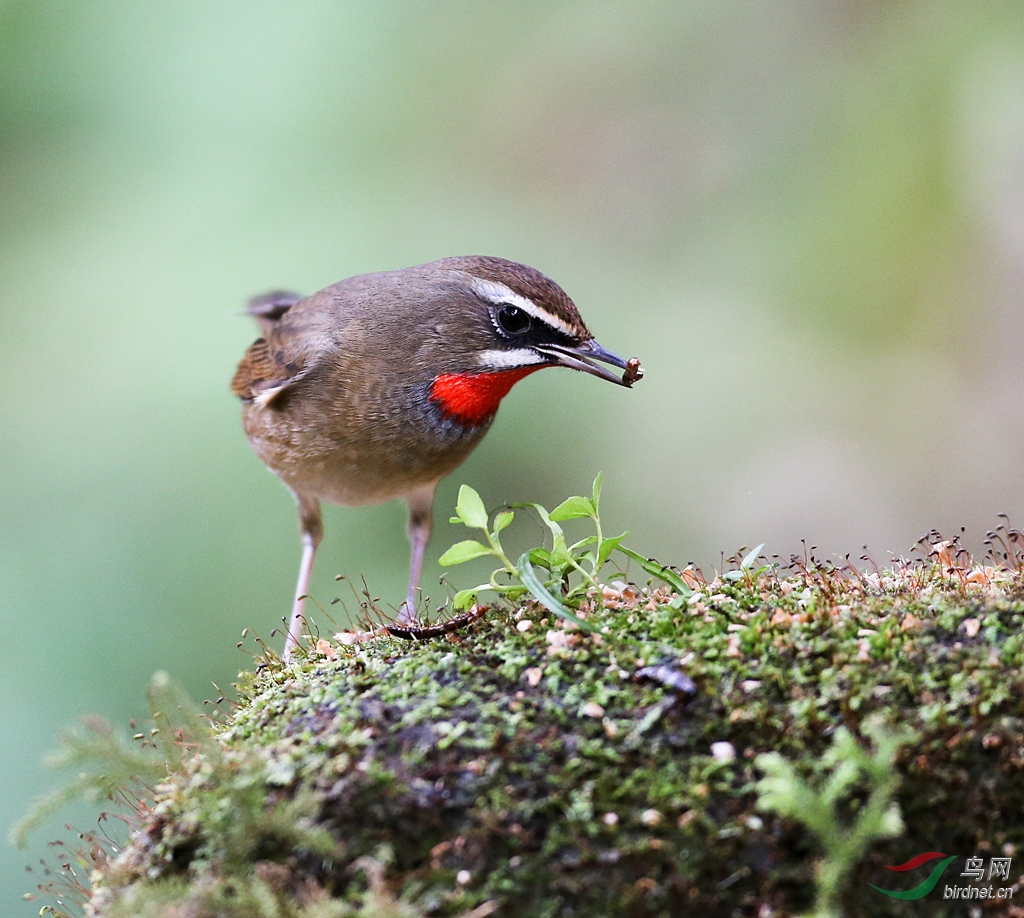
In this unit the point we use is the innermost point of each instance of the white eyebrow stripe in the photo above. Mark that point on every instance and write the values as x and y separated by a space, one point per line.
498 294
499 359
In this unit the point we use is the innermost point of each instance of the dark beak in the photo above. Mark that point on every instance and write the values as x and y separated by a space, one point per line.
582 357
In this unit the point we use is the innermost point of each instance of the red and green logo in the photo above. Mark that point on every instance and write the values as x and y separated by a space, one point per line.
925 886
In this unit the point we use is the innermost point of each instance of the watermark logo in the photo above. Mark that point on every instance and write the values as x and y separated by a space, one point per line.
925 886
974 869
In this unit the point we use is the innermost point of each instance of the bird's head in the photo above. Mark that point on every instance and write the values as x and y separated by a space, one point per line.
517 321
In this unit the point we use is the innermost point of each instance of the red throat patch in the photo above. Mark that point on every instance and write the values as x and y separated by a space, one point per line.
472 398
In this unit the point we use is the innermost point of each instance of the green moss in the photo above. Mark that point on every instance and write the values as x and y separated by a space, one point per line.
533 770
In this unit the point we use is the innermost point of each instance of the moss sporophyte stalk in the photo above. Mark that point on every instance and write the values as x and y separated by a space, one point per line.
650 742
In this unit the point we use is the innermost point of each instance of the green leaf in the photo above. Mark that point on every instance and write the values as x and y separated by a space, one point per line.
605 549
465 598
576 550
463 551
573 509
598 481
502 520
541 556
582 543
748 562
655 569
559 550
539 592
560 555
470 508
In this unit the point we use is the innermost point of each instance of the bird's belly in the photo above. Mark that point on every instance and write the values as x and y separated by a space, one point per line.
352 481
353 471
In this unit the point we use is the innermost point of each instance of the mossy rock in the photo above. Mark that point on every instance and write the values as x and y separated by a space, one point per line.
525 768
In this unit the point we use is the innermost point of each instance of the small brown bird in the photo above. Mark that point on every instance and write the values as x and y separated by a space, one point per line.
380 385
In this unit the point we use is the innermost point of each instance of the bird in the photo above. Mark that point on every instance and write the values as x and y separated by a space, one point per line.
379 386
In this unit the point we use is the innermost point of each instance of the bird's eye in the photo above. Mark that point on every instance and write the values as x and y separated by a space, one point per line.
514 320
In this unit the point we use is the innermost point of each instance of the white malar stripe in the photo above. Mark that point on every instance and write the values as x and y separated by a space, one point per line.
499 294
499 359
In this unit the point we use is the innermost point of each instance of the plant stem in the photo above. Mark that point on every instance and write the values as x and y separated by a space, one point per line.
500 554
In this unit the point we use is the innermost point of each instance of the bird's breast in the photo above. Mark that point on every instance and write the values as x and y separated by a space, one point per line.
348 439
473 398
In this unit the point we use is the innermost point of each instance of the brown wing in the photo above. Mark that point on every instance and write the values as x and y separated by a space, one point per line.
264 373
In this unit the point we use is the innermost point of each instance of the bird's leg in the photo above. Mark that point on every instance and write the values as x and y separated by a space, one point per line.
421 506
312 527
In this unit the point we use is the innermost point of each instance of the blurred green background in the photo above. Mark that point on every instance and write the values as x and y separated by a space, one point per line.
807 219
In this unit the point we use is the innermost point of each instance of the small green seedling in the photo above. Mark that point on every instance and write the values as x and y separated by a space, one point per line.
748 572
570 570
